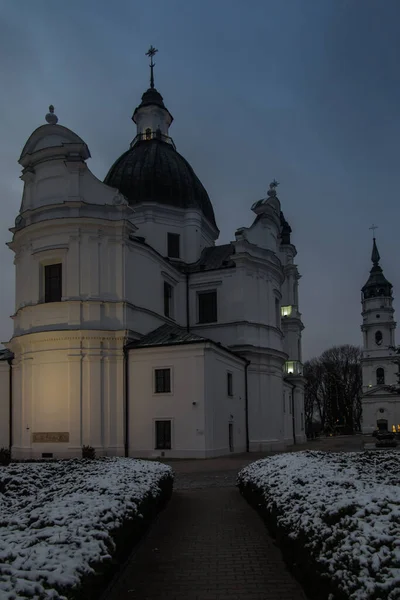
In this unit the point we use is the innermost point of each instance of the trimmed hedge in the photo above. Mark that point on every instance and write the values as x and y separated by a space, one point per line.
126 538
305 569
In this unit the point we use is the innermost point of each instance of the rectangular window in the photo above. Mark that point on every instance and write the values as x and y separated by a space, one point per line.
277 313
163 435
162 381
207 307
168 307
229 382
53 283
286 311
174 245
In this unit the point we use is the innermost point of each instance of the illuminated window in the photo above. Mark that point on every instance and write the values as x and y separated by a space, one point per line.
286 311
289 367
148 133
293 367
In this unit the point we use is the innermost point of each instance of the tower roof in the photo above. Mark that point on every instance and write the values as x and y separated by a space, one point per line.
377 284
152 170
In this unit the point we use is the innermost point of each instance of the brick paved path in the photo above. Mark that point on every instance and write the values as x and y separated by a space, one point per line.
208 544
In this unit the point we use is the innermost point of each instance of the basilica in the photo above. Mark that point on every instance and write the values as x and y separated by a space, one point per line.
134 331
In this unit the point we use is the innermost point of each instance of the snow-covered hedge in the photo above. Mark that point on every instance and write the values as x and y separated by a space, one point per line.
336 517
65 525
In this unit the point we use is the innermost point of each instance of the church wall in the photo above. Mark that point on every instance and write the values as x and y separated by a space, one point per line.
184 406
370 365
221 409
288 414
379 407
265 392
247 312
92 278
154 222
68 391
145 274
4 404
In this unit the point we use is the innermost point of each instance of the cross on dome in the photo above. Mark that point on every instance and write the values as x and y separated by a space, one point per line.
150 53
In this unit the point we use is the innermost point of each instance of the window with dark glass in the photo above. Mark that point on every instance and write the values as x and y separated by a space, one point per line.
380 376
168 300
163 435
229 381
207 307
277 313
53 283
378 338
162 383
148 133
173 245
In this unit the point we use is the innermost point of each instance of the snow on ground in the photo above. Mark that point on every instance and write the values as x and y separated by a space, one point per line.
347 506
56 519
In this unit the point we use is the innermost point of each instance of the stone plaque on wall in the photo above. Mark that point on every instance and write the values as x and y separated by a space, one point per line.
50 436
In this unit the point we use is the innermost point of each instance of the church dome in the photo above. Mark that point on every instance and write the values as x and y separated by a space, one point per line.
153 171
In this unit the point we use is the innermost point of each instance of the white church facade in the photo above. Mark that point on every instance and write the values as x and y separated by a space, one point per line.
380 407
134 332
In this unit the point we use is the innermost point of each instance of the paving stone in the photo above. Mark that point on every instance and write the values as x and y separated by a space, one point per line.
209 544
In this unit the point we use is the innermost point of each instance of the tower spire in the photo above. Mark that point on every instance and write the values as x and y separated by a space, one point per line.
150 53
375 257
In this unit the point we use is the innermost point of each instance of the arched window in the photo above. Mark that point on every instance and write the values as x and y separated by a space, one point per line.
378 338
148 133
380 376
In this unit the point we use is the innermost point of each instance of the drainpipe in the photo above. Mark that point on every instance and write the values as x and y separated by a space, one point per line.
246 404
10 400
293 414
187 302
126 399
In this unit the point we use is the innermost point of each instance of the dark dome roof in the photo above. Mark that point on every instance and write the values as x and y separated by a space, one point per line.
153 171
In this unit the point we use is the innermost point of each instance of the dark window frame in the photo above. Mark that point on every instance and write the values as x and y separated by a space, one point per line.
173 245
162 380
207 313
378 338
52 277
229 383
380 376
168 300
163 434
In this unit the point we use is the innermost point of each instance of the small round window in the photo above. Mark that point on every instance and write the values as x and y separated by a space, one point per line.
378 338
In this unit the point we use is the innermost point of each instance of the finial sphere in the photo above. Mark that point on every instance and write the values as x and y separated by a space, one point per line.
51 118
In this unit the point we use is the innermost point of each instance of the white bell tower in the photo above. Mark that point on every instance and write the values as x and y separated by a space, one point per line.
378 368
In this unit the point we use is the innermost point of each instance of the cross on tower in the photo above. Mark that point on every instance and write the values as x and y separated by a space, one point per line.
150 53
373 227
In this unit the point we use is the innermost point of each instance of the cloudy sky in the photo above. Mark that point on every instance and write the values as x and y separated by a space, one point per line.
306 91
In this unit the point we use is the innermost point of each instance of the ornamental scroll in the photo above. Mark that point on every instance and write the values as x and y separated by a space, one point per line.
52 437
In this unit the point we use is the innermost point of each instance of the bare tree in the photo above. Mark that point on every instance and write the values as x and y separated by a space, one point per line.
333 388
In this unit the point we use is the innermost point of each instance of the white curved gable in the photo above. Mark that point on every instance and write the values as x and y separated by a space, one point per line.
51 136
